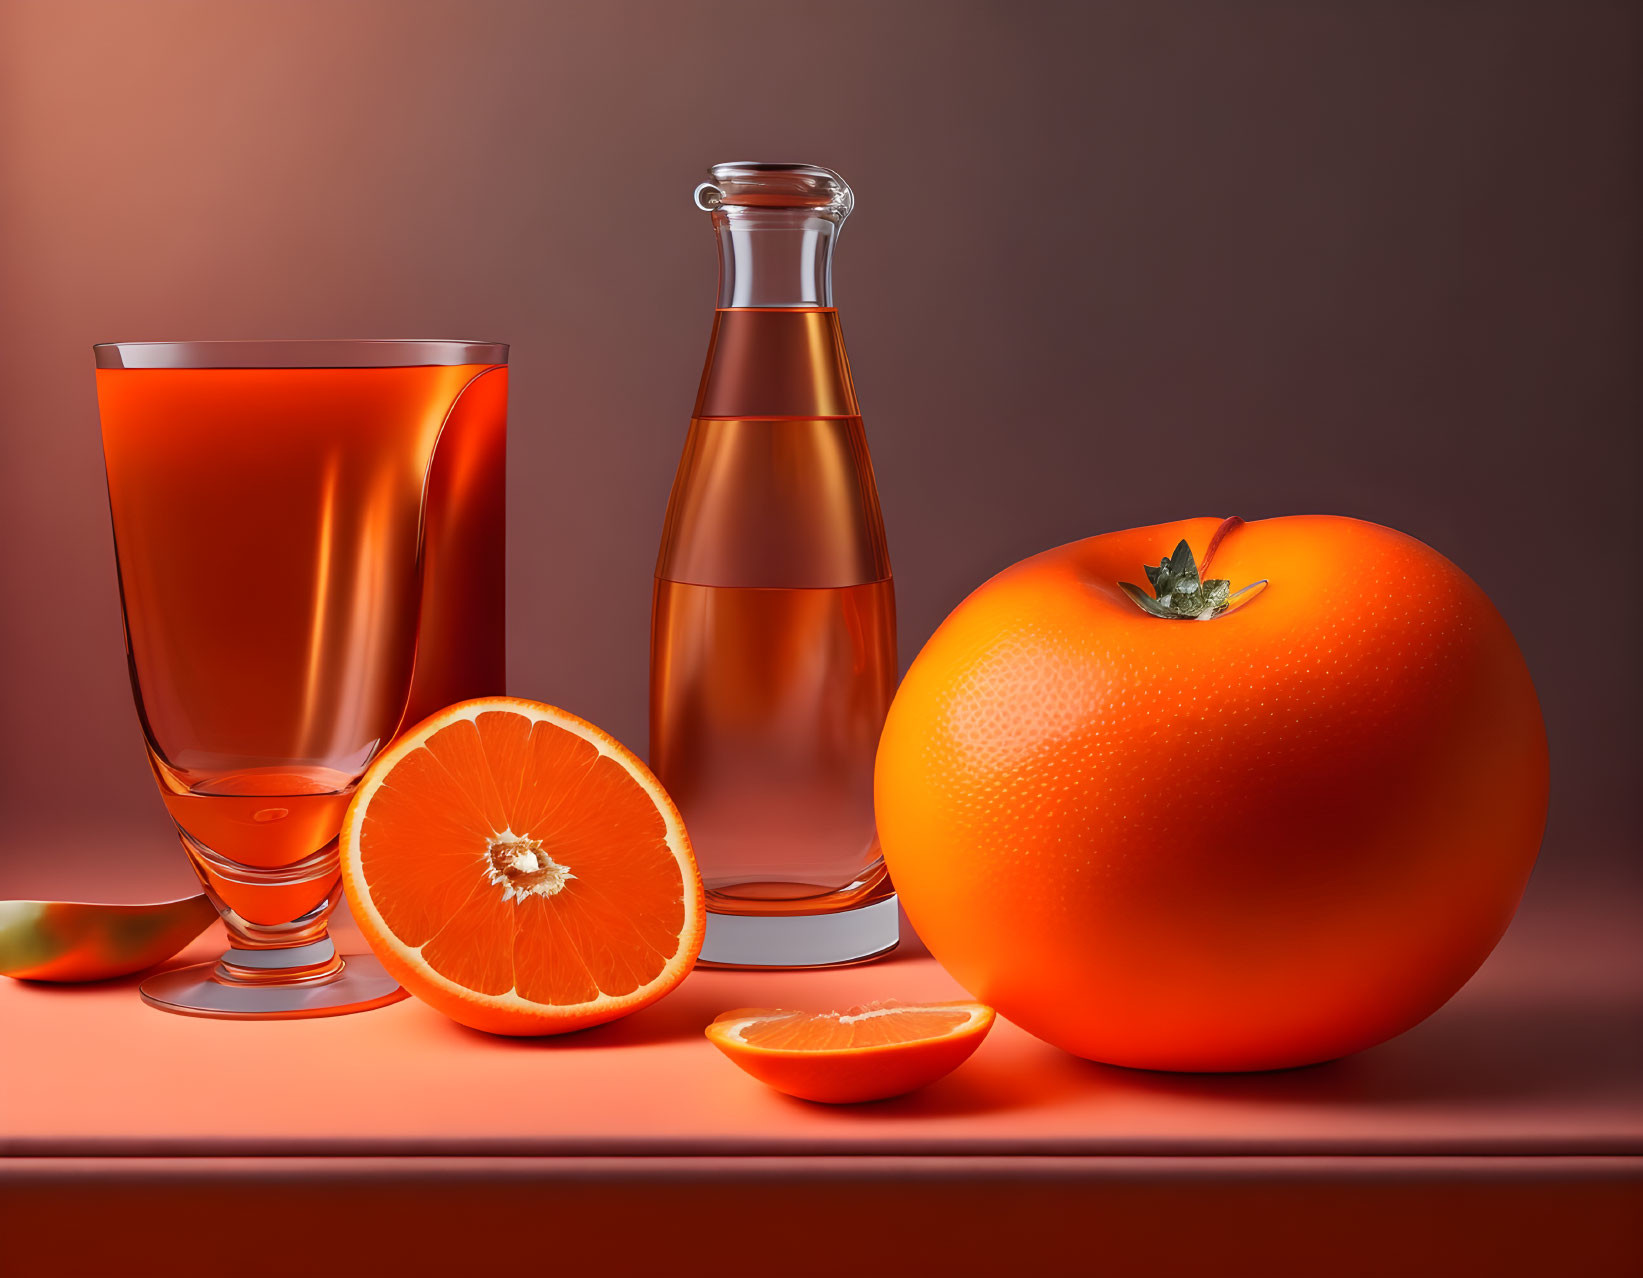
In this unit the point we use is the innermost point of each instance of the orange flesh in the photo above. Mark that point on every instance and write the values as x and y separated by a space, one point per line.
841 1058
854 1030
426 851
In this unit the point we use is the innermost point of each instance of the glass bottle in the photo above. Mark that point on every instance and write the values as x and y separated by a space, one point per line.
773 626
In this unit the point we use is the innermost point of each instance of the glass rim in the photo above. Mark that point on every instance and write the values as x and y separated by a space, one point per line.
294 353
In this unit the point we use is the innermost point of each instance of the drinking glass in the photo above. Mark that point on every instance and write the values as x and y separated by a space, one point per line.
309 541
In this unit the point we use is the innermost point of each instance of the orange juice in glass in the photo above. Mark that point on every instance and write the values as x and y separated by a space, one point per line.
309 539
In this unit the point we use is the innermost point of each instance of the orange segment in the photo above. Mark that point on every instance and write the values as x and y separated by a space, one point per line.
521 870
867 1053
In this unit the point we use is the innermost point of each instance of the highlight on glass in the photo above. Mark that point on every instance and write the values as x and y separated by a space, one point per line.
309 539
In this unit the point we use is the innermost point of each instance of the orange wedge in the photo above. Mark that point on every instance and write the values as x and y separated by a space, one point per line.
521 871
868 1053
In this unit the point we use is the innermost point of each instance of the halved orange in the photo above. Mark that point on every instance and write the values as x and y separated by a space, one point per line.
522 871
867 1053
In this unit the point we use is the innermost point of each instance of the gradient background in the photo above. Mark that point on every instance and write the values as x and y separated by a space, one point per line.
1111 265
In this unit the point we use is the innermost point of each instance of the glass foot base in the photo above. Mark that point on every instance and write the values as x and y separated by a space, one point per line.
802 940
196 991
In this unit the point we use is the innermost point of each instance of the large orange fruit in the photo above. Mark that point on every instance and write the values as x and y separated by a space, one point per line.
521 871
1267 837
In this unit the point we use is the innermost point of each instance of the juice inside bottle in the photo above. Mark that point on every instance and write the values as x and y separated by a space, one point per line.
773 636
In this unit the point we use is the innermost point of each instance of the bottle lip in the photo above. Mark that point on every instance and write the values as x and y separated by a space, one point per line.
762 184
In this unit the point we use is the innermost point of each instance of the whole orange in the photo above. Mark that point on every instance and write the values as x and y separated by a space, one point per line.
1258 839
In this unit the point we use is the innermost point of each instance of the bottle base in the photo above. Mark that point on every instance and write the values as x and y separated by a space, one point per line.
837 939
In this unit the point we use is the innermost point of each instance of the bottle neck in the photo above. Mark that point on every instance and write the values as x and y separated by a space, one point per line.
775 256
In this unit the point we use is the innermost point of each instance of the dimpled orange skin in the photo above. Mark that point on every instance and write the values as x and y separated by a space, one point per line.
1258 841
